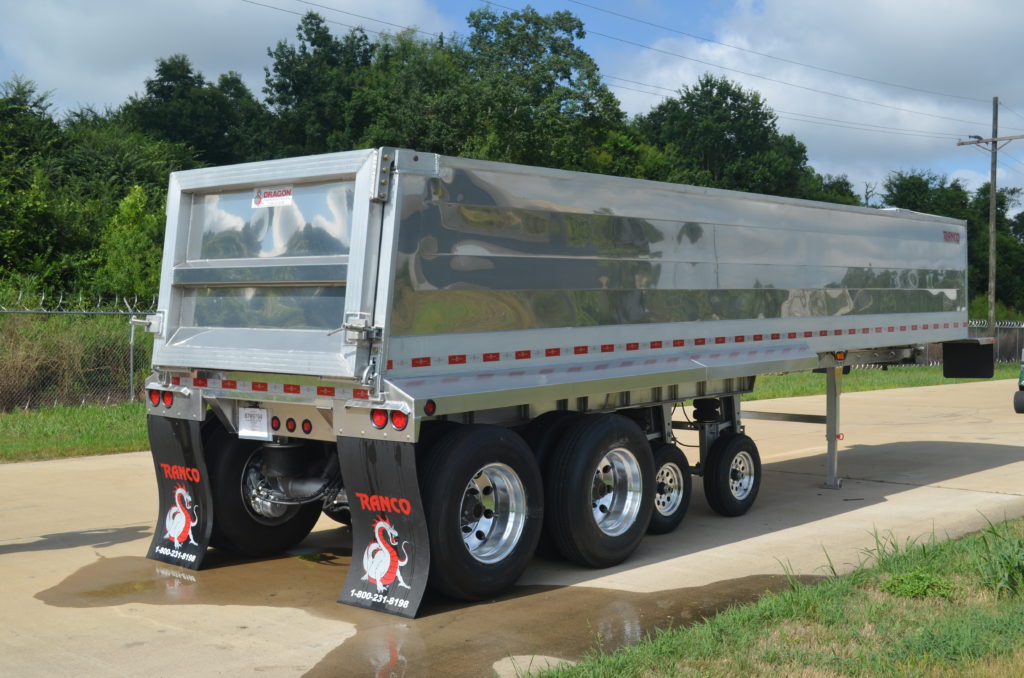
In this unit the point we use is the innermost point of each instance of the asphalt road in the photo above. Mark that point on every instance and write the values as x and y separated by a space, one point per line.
79 599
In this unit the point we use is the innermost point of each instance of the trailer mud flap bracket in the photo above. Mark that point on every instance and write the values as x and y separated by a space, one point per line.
185 515
390 542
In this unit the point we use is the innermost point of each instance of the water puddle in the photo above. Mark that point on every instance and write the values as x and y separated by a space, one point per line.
511 634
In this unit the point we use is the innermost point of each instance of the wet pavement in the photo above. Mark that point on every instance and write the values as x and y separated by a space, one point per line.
78 598
527 626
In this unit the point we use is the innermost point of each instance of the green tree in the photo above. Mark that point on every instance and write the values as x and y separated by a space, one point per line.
925 191
829 188
30 225
129 249
717 134
219 121
415 94
310 87
536 96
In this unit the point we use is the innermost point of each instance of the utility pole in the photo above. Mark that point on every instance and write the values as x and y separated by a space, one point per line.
993 149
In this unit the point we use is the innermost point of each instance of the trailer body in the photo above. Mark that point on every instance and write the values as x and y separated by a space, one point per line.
365 325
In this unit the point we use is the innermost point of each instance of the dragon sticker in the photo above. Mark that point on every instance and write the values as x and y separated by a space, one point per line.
381 563
180 518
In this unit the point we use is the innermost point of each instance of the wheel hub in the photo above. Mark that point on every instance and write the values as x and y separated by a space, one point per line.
669 491
493 513
615 497
741 475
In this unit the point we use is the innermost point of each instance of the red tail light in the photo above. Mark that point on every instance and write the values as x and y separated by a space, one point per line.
168 398
275 423
399 419
379 418
154 397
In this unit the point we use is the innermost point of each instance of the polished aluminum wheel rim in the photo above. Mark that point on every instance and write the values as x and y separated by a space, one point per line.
669 493
616 492
493 513
741 475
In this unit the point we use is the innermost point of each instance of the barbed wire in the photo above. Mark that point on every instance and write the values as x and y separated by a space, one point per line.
100 305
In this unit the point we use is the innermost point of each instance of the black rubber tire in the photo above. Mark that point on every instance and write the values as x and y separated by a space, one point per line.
673 484
1018 402
236 527
570 486
455 460
731 491
542 435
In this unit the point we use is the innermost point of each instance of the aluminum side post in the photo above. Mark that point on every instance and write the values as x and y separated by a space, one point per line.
834 377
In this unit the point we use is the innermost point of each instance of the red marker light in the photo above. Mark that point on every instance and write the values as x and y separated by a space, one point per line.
379 418
290 425
154 397
399 419
168 399
429 408
275 423
307 426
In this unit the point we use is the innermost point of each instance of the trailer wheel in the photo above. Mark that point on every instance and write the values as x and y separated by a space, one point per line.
483 498
732 475
241 522
1018 402
672 487
598 490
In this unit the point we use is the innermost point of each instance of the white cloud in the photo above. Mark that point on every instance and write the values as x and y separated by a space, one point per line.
99 53
945 47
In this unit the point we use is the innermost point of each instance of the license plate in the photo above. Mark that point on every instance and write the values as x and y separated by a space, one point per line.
253 423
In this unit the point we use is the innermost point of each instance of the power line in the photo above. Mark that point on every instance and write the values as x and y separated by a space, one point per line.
1001 104
368 18
777 58
299 14
761 77
856 127
840 123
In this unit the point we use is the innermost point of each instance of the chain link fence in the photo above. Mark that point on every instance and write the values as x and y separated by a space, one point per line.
72 355
1009 336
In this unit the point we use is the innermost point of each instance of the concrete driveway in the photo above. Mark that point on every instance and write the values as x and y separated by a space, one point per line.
78 598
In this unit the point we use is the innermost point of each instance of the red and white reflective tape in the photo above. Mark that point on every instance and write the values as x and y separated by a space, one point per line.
270 387
588 349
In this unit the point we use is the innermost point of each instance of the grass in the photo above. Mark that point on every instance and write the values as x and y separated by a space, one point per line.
56 432
808 383
910 609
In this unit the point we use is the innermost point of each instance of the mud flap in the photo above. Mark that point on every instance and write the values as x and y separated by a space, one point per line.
185 516
390 544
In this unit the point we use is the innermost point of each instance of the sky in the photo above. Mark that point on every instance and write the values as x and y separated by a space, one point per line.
870 86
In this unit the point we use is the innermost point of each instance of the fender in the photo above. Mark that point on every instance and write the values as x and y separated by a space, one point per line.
387 518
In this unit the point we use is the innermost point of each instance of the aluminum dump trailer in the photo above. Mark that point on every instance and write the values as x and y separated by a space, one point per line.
465 359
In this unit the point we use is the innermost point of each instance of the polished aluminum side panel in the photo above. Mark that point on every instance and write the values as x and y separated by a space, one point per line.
484 247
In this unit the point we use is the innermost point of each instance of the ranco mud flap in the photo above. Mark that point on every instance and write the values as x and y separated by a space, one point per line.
185 517
390 544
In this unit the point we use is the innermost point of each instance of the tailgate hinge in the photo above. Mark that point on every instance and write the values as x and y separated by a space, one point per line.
358 327
381 183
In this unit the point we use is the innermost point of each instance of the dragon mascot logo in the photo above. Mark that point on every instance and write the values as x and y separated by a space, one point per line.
380 559
180 518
